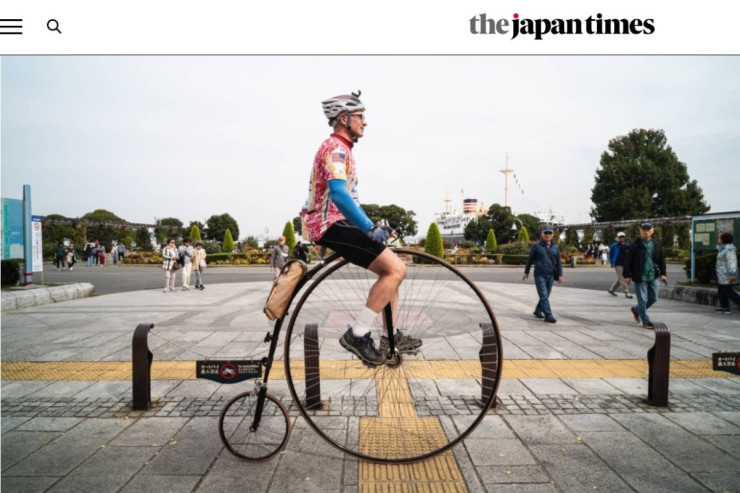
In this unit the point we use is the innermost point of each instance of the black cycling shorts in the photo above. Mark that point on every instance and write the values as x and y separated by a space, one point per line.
351 243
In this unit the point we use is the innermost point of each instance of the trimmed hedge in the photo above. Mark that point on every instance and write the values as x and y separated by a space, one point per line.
515 259
706 267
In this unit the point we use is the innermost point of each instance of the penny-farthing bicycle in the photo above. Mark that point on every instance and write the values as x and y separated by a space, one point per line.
420 403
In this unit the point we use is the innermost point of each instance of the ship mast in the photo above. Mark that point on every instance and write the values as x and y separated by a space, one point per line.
506 172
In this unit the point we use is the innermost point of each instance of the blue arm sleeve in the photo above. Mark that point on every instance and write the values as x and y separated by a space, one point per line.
348 208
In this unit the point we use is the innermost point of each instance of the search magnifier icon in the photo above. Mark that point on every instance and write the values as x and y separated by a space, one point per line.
53 25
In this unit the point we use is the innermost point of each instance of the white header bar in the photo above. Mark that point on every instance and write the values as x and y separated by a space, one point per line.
380 27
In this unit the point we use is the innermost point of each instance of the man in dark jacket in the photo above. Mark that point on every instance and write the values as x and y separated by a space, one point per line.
644 264
547 267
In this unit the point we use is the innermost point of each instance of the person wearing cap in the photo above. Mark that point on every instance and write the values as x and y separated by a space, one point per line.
280 256
617 253
332 217
545 255
644 264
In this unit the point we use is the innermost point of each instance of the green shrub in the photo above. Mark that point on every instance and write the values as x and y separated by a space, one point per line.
289 234
514 259
705 266
515 248
491 243
523 236
433 244
228 241
11 272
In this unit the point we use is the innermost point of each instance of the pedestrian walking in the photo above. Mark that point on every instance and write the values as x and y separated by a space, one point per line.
617 253
279 257
71 255
644 265
301 252
726 272
121 251
170 265
59 256
545 255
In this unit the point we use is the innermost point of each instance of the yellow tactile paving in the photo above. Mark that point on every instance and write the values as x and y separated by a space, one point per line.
349 369
398 428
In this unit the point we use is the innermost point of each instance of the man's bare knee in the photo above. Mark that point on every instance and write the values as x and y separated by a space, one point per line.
390 266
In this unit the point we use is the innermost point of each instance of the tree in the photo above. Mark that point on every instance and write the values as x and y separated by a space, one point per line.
169 227
501 220
228 245
588 235
289 234
143 240
571 237
102 215
401 220
195 233
433 244
56 228
477 230
251 242
640 176
608 234
523 236
491 243
298 226
217 226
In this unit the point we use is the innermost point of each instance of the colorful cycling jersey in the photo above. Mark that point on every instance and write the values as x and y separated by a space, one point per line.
333 161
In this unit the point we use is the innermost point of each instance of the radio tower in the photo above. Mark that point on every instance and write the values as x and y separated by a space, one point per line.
506 172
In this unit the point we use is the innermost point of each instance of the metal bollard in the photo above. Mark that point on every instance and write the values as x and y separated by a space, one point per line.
141 368
659 357
311 357
488 355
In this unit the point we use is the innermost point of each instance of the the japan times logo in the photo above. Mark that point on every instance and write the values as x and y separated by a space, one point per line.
540 28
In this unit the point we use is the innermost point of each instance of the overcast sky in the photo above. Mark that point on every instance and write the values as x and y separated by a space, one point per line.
189 137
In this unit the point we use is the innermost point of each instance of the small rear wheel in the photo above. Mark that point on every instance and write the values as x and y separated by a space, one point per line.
235 427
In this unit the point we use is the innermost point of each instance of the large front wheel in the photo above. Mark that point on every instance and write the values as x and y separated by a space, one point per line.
425 399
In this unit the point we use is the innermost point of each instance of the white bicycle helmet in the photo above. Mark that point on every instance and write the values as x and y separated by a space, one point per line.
333 107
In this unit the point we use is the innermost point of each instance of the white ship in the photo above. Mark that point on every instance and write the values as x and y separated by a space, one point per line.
452 222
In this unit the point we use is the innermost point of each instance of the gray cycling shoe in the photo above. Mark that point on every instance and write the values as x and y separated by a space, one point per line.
404 343
362 347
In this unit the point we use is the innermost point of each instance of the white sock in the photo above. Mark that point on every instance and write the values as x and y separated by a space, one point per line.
364 322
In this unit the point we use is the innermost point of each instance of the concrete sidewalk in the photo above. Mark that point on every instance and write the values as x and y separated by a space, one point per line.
559 426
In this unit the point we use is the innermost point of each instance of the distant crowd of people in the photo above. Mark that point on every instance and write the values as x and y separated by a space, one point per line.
93 254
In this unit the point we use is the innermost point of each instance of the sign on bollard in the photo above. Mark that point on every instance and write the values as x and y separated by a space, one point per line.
228 371
729 362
